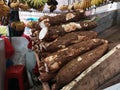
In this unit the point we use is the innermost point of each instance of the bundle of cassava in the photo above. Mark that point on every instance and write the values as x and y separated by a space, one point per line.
65 46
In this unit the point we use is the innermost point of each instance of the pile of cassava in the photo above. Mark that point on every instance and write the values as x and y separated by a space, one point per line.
65 46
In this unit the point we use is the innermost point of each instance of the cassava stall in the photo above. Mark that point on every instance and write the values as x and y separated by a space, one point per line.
76 66
105 72
56 60
64 18
69 39
61 50
60 30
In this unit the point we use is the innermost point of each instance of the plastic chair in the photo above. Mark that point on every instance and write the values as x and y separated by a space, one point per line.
18 72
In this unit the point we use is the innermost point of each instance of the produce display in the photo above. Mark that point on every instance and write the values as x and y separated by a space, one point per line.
52 5
85 4
69 39
56 60
35 4
27 4
78 65
40 4
66 44
66 48
56 31
63 18
4 9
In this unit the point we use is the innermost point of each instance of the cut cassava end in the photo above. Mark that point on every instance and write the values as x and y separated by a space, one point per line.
69 39
56 60
45 77
78 65
64 18
60 30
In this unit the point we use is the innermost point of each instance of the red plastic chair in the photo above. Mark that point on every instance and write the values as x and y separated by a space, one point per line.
18 72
